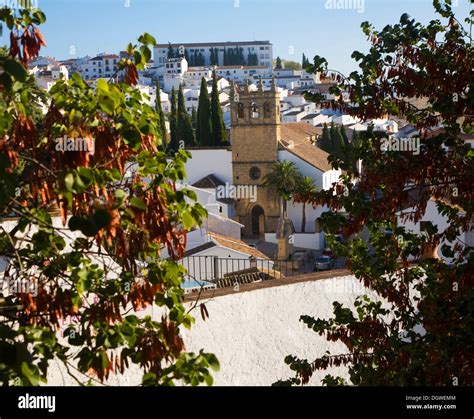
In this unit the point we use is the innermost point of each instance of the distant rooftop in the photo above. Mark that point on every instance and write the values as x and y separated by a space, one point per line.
310 116
208 182
240 67
295 138
214 44
105 56
175 60
292 113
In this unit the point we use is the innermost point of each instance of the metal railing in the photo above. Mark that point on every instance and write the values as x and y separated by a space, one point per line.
225 272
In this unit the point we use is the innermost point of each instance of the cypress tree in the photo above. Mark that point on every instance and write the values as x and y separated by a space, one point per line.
345 145
226 59
216 55
186 55
170 51
354 144
194 118
355 139
184 126
219 134
204 128
240 56
278 63
326 139
173 144
201 59
161 115
344 136
303 61
213 57
336 141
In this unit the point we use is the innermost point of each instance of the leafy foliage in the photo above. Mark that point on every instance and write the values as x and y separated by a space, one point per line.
100 270
421 330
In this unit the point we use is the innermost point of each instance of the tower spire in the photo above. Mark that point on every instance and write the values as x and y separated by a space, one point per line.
247 86
232 89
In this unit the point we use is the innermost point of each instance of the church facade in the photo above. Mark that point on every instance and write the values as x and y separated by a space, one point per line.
258 140
255 131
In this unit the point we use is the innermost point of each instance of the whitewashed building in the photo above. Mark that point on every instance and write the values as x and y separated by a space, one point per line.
263 51
101 66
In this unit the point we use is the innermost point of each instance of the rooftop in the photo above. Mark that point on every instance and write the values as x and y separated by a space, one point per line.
208 182
310 116
104 57
241 67
214 44
229 243
237 245
292 113
295 138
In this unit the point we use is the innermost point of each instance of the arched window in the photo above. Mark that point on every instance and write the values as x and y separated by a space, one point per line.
240 110
266 110
254 112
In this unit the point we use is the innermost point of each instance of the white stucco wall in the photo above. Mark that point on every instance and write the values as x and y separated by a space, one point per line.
224 226
305 168
295 213
206 162
440 221
314 241
252 332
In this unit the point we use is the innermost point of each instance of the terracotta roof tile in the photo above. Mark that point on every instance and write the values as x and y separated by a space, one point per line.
296 139
208 182
237 245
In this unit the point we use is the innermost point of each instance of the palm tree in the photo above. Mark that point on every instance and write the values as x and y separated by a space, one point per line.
306 188
283 179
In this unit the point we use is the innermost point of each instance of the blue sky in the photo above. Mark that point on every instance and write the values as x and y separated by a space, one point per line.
93 26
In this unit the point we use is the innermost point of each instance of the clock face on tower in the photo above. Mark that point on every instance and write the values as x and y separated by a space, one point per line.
255 173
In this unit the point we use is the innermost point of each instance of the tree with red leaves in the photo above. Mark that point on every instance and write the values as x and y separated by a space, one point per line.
103 266
420 331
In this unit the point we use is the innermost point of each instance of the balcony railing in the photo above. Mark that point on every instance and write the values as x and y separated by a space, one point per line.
204 272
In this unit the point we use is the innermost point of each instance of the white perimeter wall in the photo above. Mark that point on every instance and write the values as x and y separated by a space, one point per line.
252 332
313 241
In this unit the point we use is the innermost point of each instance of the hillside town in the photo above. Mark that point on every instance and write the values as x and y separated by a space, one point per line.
195 211
267 120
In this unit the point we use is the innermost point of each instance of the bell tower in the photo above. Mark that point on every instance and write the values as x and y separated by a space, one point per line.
255 130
